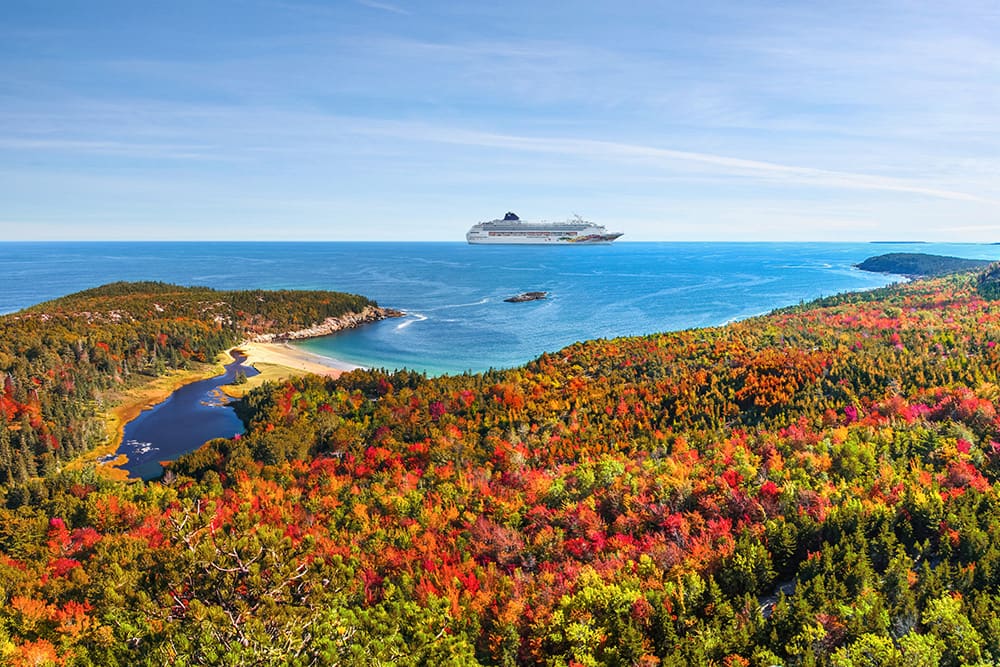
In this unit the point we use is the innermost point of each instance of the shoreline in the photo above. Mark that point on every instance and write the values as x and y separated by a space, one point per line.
132 402
277 361
270 354
332 325
289 356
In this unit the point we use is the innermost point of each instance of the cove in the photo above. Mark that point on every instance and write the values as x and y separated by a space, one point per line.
189 417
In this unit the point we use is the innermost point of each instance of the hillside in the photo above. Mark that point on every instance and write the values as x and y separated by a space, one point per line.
920 265
812 487
63 363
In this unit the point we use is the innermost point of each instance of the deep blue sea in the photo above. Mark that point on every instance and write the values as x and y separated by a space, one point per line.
453 293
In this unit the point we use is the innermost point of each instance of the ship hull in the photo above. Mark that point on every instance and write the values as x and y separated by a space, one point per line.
604 239
511 231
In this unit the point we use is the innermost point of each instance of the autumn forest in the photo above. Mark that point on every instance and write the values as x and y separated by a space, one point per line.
817 486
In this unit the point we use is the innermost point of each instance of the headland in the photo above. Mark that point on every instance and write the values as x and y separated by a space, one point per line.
121 348
920 265
275 359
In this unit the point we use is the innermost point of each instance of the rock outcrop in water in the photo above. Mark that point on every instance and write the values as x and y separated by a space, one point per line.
527 296
332 325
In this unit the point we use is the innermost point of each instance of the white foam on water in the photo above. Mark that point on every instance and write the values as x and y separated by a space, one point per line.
485 299
139 447
417 317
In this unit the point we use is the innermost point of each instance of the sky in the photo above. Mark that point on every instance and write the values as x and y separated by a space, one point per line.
402 120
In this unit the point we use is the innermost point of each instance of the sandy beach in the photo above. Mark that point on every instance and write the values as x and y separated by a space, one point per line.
283 354
277 361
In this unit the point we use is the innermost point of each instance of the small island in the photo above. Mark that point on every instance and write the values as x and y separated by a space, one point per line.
527 296
920 265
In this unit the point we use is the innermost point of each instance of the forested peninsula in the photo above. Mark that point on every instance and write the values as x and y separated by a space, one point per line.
65 364
817 486
920 265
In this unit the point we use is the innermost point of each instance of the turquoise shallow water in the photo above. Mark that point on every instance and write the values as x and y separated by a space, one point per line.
453 293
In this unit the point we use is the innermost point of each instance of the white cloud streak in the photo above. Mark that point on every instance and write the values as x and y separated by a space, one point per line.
294 133
663 157
119 148
384 6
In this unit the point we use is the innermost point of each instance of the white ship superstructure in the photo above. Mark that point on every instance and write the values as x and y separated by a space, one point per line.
512 230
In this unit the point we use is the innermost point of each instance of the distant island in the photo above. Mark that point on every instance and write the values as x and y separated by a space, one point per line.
915 264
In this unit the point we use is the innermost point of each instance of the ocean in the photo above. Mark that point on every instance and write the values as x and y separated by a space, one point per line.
453 293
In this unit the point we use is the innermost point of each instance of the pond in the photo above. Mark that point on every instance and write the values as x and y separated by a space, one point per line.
191 416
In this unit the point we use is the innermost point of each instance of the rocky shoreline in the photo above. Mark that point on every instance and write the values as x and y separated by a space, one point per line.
331 325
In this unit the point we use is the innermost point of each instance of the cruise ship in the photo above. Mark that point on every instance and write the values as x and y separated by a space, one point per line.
512 230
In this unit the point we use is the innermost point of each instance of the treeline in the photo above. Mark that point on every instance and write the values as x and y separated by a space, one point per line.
58 360
813 487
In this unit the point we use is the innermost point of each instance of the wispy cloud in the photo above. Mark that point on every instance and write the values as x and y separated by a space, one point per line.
237 135
118 148
663 157
384 6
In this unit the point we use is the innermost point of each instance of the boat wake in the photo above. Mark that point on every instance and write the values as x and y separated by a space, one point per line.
814 265
417 317
461 305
